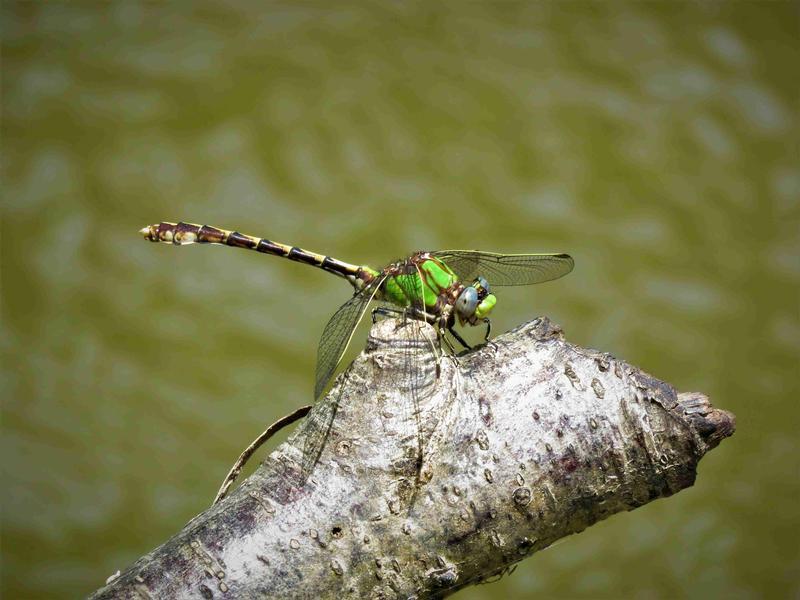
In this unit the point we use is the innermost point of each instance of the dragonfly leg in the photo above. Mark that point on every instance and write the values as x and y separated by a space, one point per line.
453 355
447 343
436 354
461 341
386 311
486 339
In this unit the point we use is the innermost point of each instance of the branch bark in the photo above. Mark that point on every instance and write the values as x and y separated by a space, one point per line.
523 443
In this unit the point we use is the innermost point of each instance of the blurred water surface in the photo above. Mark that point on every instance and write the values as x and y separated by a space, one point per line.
657 143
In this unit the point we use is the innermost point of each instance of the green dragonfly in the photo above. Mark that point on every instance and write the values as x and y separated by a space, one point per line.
441 288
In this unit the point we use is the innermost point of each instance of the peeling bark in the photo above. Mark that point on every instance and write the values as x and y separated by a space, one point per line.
523 443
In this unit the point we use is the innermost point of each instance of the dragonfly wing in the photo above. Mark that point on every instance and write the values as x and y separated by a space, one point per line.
339 331
506 269
335 339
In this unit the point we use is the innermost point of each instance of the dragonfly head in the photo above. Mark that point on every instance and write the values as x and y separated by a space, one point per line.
475 302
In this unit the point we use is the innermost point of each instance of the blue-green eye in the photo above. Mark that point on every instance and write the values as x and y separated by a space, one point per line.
484 284
467 302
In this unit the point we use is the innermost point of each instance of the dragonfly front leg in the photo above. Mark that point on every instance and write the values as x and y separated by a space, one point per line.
461 341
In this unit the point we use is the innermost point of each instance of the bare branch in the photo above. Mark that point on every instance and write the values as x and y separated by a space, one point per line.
524 444
265 435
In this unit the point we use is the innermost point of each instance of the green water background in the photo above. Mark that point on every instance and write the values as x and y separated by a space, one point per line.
657 143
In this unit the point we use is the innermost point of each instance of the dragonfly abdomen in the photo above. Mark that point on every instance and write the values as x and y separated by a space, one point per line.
189 233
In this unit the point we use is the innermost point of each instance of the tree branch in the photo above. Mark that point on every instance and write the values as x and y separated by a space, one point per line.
522 444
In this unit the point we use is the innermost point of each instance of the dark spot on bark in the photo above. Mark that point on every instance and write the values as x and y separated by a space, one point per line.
206 592
656 390
336 531
573 378
444 577
543 329
569 463
480 522
336 567
525 545
245 519
485 410
522 496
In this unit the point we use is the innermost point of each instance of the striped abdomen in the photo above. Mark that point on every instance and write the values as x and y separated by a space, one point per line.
189 233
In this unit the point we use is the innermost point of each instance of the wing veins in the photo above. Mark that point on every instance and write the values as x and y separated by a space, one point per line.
506 269
338 333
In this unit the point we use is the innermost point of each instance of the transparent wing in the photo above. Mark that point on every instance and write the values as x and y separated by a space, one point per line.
316 428
506 269
339 331
333 344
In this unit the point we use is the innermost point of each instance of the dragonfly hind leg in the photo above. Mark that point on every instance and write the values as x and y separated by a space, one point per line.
486 339
447 343
386 311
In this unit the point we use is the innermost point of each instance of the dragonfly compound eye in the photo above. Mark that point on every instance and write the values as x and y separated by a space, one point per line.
484 284
467 302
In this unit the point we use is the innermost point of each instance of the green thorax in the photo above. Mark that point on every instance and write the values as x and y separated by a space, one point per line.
421 285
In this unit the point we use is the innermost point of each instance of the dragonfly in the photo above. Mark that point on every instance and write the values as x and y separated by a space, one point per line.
442 288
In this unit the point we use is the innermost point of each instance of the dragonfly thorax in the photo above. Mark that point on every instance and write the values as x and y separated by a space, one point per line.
425 283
